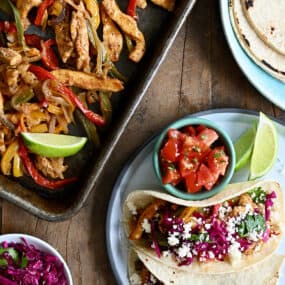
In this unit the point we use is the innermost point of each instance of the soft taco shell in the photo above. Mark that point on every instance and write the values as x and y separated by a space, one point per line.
262 54
267 272
140 199
267 20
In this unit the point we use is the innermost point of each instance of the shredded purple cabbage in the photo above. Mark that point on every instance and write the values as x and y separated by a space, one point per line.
41 268
269 204
154 241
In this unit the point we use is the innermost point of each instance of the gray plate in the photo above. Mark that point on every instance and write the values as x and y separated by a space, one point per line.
133 177
155 23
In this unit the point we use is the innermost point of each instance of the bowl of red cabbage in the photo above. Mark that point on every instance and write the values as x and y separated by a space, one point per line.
27 260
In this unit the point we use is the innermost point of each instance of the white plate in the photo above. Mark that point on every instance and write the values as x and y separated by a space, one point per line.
270 87
139 174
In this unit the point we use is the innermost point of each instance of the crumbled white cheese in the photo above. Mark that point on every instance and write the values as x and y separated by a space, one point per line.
187 230
132 207
146 226
172 240
135 279
211 255
222 211
208 226
231 225
254 235
183 251
234 252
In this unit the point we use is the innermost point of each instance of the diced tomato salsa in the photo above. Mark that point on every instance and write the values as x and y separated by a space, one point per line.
192 158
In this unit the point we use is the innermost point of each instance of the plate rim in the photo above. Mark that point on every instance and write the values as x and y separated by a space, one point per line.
129 160
223 7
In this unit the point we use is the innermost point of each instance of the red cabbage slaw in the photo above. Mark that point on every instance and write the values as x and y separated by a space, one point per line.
24 264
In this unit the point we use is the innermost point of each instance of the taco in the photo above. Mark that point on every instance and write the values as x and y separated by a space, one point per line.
150 271
259 51
239 227
138 273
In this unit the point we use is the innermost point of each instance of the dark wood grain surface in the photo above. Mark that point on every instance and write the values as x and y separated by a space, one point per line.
199 73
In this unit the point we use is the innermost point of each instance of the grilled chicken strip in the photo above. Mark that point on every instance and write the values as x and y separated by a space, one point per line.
10 56
63 39
24 7
87 81
79 35
166 4
51 167
112 37
129 26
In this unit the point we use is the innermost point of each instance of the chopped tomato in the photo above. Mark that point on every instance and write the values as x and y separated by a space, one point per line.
200 128
208 136
216 209
170 151
218 161
174 134
187 165
190 130
205 177
188 154
171 175
191 183
194 148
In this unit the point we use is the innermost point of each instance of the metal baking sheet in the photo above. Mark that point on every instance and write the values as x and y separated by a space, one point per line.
160 28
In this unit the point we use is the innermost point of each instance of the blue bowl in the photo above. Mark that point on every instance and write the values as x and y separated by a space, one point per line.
223 138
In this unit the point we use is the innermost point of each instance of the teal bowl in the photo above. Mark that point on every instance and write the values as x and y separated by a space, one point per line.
224 139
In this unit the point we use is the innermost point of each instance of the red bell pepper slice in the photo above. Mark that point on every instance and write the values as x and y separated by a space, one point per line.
49 58
7 27
131 10
43 74
41 10
34 173
33 40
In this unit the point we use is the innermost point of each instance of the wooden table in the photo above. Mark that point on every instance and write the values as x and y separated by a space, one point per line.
198 74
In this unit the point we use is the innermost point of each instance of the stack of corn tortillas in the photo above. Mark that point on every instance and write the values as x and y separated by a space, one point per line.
260 27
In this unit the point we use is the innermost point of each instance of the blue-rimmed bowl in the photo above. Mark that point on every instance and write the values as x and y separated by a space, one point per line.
224 140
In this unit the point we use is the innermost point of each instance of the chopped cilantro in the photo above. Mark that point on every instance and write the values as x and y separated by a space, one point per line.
203 137
203 237
15 255
196 148
258 195
171 166
24 262
219 154
250 224
186 154
195 160
3 262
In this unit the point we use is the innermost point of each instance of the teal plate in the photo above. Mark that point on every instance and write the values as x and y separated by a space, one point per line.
270 87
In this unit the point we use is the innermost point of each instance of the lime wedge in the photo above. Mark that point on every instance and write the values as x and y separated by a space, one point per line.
265 148
53 145
243 147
